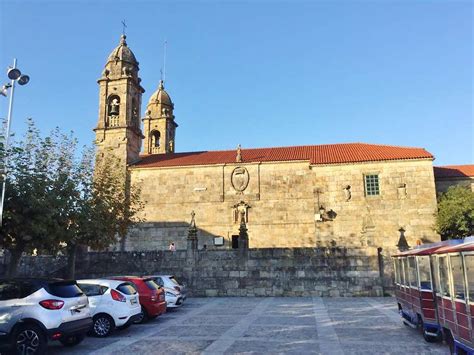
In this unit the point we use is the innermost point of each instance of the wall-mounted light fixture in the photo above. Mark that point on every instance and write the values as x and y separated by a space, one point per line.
324 215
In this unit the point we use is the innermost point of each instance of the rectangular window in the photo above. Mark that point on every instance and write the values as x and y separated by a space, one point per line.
412 269
397 272
458 277
469 263
372 187
400 269
405 272
424 272
444 276
436 275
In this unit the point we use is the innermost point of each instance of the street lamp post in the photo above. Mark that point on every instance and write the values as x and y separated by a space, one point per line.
14 75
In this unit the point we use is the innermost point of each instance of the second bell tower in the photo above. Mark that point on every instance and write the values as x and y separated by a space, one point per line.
158 124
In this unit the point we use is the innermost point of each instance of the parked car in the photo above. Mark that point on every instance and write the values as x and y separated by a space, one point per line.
113 303
151 296
175 293
33 311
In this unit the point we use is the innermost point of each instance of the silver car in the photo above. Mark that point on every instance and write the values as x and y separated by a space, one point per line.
33 311
175 292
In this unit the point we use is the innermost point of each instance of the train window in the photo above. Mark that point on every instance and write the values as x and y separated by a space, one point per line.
424 272
436 275
444 276
397 272
400 269
458 277
395 267
405 272
412 272
469 263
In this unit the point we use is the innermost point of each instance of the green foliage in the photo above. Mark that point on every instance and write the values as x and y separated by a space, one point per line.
28 208
55 199
456 213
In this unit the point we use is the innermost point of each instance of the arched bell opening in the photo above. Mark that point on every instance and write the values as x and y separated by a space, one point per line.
155 141
113 111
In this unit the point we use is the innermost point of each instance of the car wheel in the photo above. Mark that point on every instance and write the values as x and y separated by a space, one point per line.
72 340
29 339
103 325
142 318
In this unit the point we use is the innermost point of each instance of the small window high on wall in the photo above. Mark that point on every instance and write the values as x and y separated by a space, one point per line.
372 187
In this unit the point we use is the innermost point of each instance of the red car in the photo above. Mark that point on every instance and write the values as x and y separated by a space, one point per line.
151 296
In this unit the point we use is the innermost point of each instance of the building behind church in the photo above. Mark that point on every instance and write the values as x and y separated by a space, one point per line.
352 194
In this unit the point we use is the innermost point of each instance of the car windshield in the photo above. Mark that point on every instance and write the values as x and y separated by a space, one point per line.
151 284
91 289
127 289
174 280
65 289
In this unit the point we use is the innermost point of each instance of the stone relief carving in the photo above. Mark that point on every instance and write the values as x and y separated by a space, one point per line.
402 191
240 211
240 179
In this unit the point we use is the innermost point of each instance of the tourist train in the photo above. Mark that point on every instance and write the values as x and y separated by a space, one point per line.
435 292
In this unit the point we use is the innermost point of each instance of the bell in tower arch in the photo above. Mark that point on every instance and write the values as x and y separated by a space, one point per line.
114 107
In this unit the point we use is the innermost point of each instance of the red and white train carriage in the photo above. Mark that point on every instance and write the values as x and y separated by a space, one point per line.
435 292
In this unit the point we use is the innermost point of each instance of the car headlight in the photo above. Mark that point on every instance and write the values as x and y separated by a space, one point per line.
169 294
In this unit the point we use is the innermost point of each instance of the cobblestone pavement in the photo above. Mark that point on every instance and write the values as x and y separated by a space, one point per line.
268 325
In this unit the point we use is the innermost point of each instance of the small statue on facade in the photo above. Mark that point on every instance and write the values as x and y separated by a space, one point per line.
348 193
193 220
238 158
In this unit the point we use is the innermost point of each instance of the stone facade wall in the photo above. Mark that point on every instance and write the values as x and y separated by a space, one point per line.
258 272
283 199
407 200
443 184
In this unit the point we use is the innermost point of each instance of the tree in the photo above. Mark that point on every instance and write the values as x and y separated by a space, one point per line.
55 199
108 206
28 210
456 213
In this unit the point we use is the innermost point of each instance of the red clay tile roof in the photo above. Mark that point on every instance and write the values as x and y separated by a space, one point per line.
315 154
454 171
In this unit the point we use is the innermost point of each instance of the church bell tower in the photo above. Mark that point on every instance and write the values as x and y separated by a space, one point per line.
118 130
158 124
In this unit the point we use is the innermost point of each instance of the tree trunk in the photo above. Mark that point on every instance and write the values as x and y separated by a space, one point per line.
15 257
122 241
71 261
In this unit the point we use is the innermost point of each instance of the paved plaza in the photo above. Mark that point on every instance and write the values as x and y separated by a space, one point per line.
268 325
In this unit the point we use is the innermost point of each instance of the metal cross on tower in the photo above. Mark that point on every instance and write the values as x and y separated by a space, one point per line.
124 26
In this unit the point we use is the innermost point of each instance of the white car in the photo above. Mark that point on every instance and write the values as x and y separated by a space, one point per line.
175 293
113 304
35 311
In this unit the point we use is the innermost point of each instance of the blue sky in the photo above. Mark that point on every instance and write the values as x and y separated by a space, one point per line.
260 73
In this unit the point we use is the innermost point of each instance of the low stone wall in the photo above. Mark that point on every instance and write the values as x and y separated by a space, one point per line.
256 272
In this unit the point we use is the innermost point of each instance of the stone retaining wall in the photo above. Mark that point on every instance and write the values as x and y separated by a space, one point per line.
256 272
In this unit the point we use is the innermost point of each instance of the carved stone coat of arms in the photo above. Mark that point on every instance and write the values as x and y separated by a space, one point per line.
240 179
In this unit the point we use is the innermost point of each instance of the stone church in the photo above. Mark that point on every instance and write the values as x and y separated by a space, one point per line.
353 194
